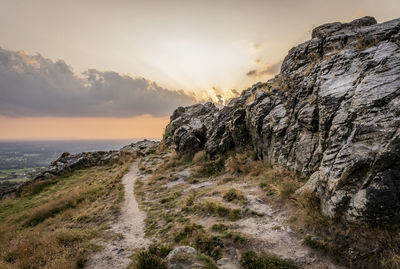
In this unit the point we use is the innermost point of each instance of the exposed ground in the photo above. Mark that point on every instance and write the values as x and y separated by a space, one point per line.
128 227
223 214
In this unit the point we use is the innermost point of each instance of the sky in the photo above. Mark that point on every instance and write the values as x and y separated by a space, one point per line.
99 69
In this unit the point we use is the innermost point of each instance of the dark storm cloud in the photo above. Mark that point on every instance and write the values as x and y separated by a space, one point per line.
272 69
36 86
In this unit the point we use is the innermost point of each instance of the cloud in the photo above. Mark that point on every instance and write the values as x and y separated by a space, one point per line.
251 73
271 70
37 86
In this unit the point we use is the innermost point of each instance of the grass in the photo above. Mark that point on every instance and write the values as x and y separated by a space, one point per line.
281 182
373 246
210 168
313 243
250 260
151 258
167 132
36 186
218 209
236 237
219 227
56 223
366 42
244 163
234 195
200 157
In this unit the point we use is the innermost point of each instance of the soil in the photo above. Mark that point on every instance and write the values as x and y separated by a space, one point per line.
128 228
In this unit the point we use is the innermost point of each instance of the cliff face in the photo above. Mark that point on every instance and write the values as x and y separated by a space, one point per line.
332 115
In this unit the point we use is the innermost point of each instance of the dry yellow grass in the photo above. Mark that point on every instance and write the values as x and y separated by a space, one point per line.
56 223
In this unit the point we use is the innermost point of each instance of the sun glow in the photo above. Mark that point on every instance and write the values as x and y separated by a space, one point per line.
203 67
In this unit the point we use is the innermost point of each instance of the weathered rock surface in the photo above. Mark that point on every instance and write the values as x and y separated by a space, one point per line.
184 257
141 148
332 114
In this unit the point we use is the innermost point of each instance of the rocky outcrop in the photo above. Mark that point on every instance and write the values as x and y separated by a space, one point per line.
67 162
332 115
141 148
187 131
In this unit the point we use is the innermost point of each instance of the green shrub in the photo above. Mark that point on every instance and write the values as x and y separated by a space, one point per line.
235 214
187 232
159 250
219 227
222 211
218 209
211 168
209 245
235 236
147 260
315 244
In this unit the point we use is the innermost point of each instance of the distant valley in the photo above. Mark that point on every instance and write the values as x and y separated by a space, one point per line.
20 160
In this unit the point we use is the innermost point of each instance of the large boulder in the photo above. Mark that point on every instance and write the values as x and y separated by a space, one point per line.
332 114
188 128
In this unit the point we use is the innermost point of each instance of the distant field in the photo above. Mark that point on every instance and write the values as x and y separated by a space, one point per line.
18 175
20 160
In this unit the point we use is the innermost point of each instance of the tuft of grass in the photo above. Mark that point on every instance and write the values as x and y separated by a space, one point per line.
167 132
209 245
314 243
310 205
147 260
234 195
200 156
187 232
68 237
236 237
277 228
196 236
36 186
219 227
210 168
281 182
390 262
216 208
366 42
245 163
52 208
250 260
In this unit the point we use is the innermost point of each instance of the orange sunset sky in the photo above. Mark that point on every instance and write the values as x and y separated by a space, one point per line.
117 69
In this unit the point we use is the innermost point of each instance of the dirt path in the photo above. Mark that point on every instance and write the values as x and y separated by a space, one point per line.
130 226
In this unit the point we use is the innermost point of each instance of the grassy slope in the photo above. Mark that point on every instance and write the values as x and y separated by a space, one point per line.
56 223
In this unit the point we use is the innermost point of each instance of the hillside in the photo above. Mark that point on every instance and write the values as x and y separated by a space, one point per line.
301 171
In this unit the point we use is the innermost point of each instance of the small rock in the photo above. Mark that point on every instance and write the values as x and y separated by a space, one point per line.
183 257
